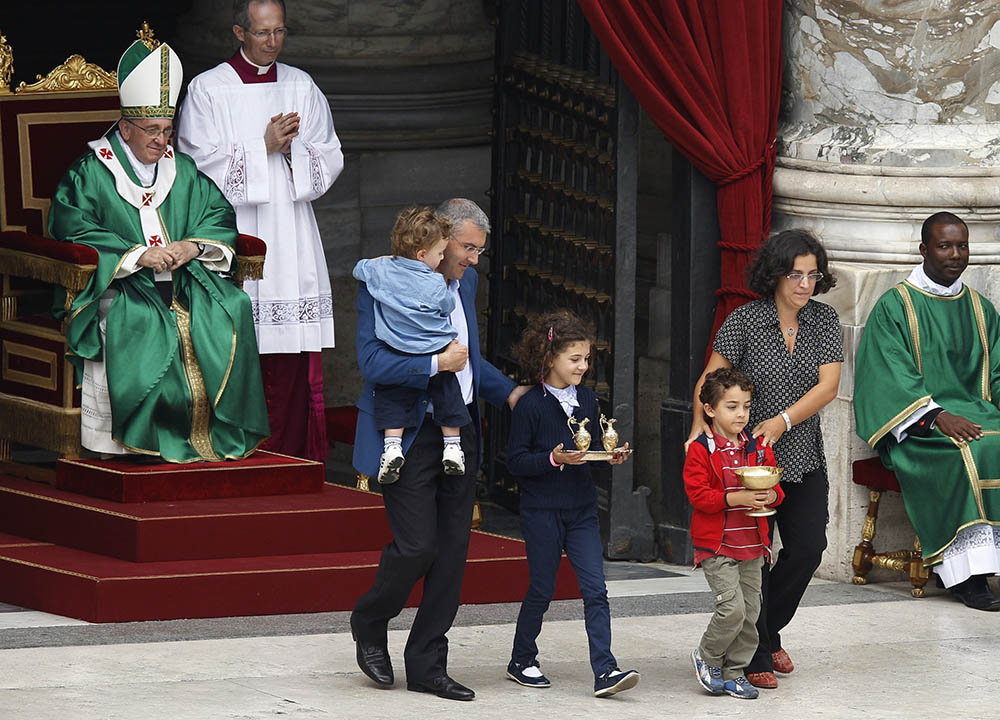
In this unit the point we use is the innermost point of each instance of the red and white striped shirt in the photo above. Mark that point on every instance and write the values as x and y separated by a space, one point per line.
740 534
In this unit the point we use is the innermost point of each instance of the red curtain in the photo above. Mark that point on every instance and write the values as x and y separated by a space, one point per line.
708 72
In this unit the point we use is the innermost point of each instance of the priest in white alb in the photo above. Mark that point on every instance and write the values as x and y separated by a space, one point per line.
263 131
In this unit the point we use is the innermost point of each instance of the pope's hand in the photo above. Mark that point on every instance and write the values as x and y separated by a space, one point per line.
181 253
156 258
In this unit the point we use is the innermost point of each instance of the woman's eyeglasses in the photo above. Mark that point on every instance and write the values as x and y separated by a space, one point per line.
797 277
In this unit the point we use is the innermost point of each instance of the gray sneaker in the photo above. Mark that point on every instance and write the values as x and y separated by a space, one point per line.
709 677
741 688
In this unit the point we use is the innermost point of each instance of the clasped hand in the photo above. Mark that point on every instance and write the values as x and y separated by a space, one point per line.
170 257
280 131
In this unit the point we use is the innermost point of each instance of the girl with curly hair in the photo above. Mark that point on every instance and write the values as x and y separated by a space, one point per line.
558 497
790 346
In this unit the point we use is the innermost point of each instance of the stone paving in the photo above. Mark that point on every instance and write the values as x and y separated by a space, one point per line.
860 652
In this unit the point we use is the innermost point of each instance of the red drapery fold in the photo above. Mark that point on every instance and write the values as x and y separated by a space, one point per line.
708 72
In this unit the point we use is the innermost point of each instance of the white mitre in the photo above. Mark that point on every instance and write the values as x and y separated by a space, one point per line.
149 81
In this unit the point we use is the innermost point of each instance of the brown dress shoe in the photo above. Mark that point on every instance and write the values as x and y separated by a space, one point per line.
782 663
765 680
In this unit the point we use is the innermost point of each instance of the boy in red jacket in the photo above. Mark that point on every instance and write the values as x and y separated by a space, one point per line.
730 546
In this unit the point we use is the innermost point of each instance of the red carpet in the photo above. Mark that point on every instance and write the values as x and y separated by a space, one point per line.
128 481
98 588
336 519
104 561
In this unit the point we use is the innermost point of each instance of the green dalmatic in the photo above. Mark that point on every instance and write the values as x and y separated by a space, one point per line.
917 346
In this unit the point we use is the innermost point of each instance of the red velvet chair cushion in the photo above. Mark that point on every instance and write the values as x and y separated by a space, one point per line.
872 474
246 245
47 247
250 246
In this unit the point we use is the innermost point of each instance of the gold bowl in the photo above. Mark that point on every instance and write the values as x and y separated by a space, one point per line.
758 477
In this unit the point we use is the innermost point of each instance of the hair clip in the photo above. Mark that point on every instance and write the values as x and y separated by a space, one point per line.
550 334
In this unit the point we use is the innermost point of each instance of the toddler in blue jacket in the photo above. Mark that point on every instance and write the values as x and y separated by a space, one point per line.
413 307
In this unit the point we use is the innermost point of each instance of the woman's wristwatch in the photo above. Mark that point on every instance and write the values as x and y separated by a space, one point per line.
788 420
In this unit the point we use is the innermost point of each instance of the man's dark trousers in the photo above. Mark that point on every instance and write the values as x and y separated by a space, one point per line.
430 514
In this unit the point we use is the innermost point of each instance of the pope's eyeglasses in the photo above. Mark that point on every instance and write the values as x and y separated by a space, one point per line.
153 132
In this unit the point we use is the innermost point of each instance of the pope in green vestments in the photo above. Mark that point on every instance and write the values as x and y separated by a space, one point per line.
929 360
183 372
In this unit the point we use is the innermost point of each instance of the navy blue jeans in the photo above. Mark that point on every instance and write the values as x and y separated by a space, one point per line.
546 534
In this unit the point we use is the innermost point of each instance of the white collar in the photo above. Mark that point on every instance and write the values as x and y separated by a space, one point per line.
261 69
919 278
144 172
565 396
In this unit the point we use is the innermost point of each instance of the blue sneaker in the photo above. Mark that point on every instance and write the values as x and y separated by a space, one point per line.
741 688
709 677
614 681
527 674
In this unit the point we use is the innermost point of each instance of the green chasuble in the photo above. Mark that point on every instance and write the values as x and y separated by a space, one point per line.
184 381
917 346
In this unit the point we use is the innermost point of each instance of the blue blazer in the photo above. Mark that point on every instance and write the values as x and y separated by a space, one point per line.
382 365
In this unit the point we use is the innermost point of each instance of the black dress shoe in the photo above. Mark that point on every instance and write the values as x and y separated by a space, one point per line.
373 659
976 594
444 687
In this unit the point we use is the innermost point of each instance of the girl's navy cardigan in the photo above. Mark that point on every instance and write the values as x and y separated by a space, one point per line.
538 425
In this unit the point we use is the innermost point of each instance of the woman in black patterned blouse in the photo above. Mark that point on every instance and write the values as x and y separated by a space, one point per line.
790 345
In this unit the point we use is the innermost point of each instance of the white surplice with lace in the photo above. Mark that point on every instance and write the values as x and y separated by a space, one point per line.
222 123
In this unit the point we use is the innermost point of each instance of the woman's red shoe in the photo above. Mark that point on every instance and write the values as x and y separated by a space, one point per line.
782 663
765 680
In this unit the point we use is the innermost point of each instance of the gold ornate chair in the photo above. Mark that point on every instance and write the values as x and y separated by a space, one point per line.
44 126
871 474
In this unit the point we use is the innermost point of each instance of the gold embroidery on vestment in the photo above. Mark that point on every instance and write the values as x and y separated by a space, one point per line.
977 311
898 418
201 439
911 320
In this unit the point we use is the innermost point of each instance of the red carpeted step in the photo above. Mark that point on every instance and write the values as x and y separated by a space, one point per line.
133 480
336 519
101 589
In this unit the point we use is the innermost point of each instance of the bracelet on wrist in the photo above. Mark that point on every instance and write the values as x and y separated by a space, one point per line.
788 420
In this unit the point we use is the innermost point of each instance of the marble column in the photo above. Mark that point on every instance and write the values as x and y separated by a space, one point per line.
891 112
409 86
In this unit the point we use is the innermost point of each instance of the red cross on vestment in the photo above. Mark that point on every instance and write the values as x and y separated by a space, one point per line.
106 154
147 198
155 241
169 153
